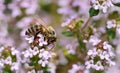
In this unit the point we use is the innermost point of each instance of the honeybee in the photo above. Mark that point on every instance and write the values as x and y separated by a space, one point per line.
48 32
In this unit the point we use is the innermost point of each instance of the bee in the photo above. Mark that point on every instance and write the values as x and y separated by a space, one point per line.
48 32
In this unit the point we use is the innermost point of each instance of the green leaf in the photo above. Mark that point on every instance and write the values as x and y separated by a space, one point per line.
96 71
69 56
34 61
113 15
45 7
14 59
79 23
68 33
7 69
93 12
7 2
117 4
111 34
118 20
5 53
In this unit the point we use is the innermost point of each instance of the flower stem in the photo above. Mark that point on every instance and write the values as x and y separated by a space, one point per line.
86 23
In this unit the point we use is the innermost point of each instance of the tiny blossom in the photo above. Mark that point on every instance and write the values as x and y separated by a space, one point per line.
42 40
15 66
28 53
93 52
76 68
43 62
67 22
101 5
98 66
44 57
14 51
35 50
111 24
70 49
30 39
1 63
94 40
8 60
118 28
89 64
32 71
52 67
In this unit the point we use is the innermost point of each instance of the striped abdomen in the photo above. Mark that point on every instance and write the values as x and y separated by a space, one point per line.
33 30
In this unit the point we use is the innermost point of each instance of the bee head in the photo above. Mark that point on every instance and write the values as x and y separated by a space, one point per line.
51 31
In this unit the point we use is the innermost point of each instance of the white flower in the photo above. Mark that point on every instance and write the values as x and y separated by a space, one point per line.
30 39
98 66
43 62
107 46
89 64
1 63
15 66
92 52
118 28
42 40
75 68
111 24
111 63
68 21
102 5
70 49
52 68
35 51
94 40
32 71
8 60
14 51
28 53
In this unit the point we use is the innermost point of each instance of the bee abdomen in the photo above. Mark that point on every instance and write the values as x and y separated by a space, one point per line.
33 30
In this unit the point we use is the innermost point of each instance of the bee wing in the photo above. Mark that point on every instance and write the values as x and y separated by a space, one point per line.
40 21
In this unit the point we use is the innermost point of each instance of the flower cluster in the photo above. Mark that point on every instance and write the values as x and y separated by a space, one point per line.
19 7
113 24
103 5
41 56
100 56
9 59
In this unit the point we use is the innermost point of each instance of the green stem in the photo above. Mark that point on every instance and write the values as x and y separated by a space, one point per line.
86 23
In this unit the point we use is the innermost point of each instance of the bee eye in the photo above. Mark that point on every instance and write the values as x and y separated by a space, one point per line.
53 32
